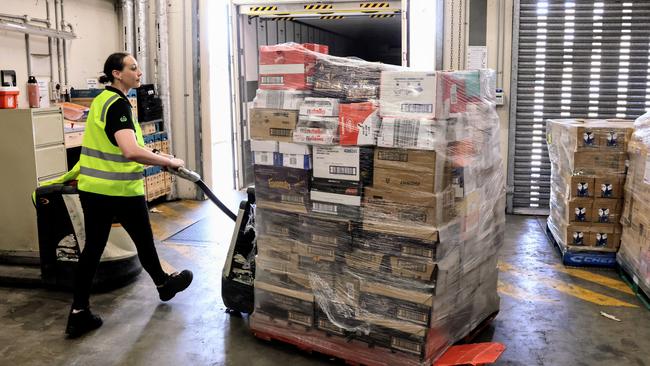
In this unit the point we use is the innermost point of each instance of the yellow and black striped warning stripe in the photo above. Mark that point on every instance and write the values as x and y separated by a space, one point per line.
374 5
332 17
318 6
263 8
382 15
280 19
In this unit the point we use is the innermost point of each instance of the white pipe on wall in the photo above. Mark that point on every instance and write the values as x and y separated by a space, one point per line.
163 69
127 25
141 40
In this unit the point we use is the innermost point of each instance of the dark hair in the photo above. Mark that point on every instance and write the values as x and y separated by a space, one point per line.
113 62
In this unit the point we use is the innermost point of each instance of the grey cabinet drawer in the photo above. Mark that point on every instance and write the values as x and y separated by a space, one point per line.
48 128
50 160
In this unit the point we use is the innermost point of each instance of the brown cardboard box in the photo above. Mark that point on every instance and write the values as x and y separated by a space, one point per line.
414 215
580 210
607 210
272 124
364 260
403 159
292 305
318 252
408 305
403 180
412 268
599 162
422 232
382 195
609 186
582 186
577 234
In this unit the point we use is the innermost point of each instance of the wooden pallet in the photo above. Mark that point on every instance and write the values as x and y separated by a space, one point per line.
630 278
583 257
357 353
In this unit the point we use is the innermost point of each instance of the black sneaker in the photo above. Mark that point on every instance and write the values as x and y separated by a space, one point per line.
176 282
82 323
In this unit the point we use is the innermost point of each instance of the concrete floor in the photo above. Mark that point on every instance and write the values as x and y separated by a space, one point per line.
550 315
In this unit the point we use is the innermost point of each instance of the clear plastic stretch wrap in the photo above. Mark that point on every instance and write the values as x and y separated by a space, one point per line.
634 253
380 205
588 166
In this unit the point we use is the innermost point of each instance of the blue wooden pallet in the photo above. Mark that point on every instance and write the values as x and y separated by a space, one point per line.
583 258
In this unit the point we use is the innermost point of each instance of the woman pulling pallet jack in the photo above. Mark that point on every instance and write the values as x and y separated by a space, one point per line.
239 270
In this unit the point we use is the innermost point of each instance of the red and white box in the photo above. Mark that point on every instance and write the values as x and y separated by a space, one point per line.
359 123
288 66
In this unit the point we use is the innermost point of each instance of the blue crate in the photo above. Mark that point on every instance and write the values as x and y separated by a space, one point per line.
85 93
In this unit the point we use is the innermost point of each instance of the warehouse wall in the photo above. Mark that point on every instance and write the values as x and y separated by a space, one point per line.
96 24
457 18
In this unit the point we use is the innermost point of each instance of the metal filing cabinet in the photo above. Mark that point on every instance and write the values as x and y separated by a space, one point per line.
32 150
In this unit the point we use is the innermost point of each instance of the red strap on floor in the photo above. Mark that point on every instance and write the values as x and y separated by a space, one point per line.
471 354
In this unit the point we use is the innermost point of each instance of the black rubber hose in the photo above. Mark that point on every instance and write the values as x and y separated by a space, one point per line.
216 201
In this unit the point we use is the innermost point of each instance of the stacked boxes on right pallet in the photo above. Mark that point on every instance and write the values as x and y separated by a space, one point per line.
380 205
634 254
588 166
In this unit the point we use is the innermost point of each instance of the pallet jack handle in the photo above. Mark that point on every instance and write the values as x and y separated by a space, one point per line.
194 177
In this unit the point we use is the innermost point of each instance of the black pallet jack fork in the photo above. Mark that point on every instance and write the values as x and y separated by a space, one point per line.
237 290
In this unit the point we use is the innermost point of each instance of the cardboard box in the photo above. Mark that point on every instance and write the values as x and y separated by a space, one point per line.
403 180
291 305
279 99
408 93
459 90
580 210
578 234
316 136
365 261
378 210
402 304
609 186
344 163
607 210
283 185
264 146
287 66
396 245
323 107
296 155
359 123
404 159
325 232
599 163
409 133
380 195
336 191
272 124
274 223
582 186
421 232
414 268
267 158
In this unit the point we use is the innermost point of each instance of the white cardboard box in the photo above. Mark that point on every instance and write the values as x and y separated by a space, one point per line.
326 107
408 93
337 162
294 149
315 136
279 99
408 133
264 145
267 158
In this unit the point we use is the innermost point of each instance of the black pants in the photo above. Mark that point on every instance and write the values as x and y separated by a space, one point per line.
99 211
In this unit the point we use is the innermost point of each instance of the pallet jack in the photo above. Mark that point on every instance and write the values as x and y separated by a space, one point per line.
238 273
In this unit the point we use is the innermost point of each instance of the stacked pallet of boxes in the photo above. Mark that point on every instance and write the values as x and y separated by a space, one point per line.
634 254
385 251
588 159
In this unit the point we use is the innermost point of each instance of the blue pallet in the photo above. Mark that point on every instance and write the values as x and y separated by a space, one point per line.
583 258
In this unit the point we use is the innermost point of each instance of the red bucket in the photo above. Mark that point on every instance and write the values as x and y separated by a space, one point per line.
9 97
